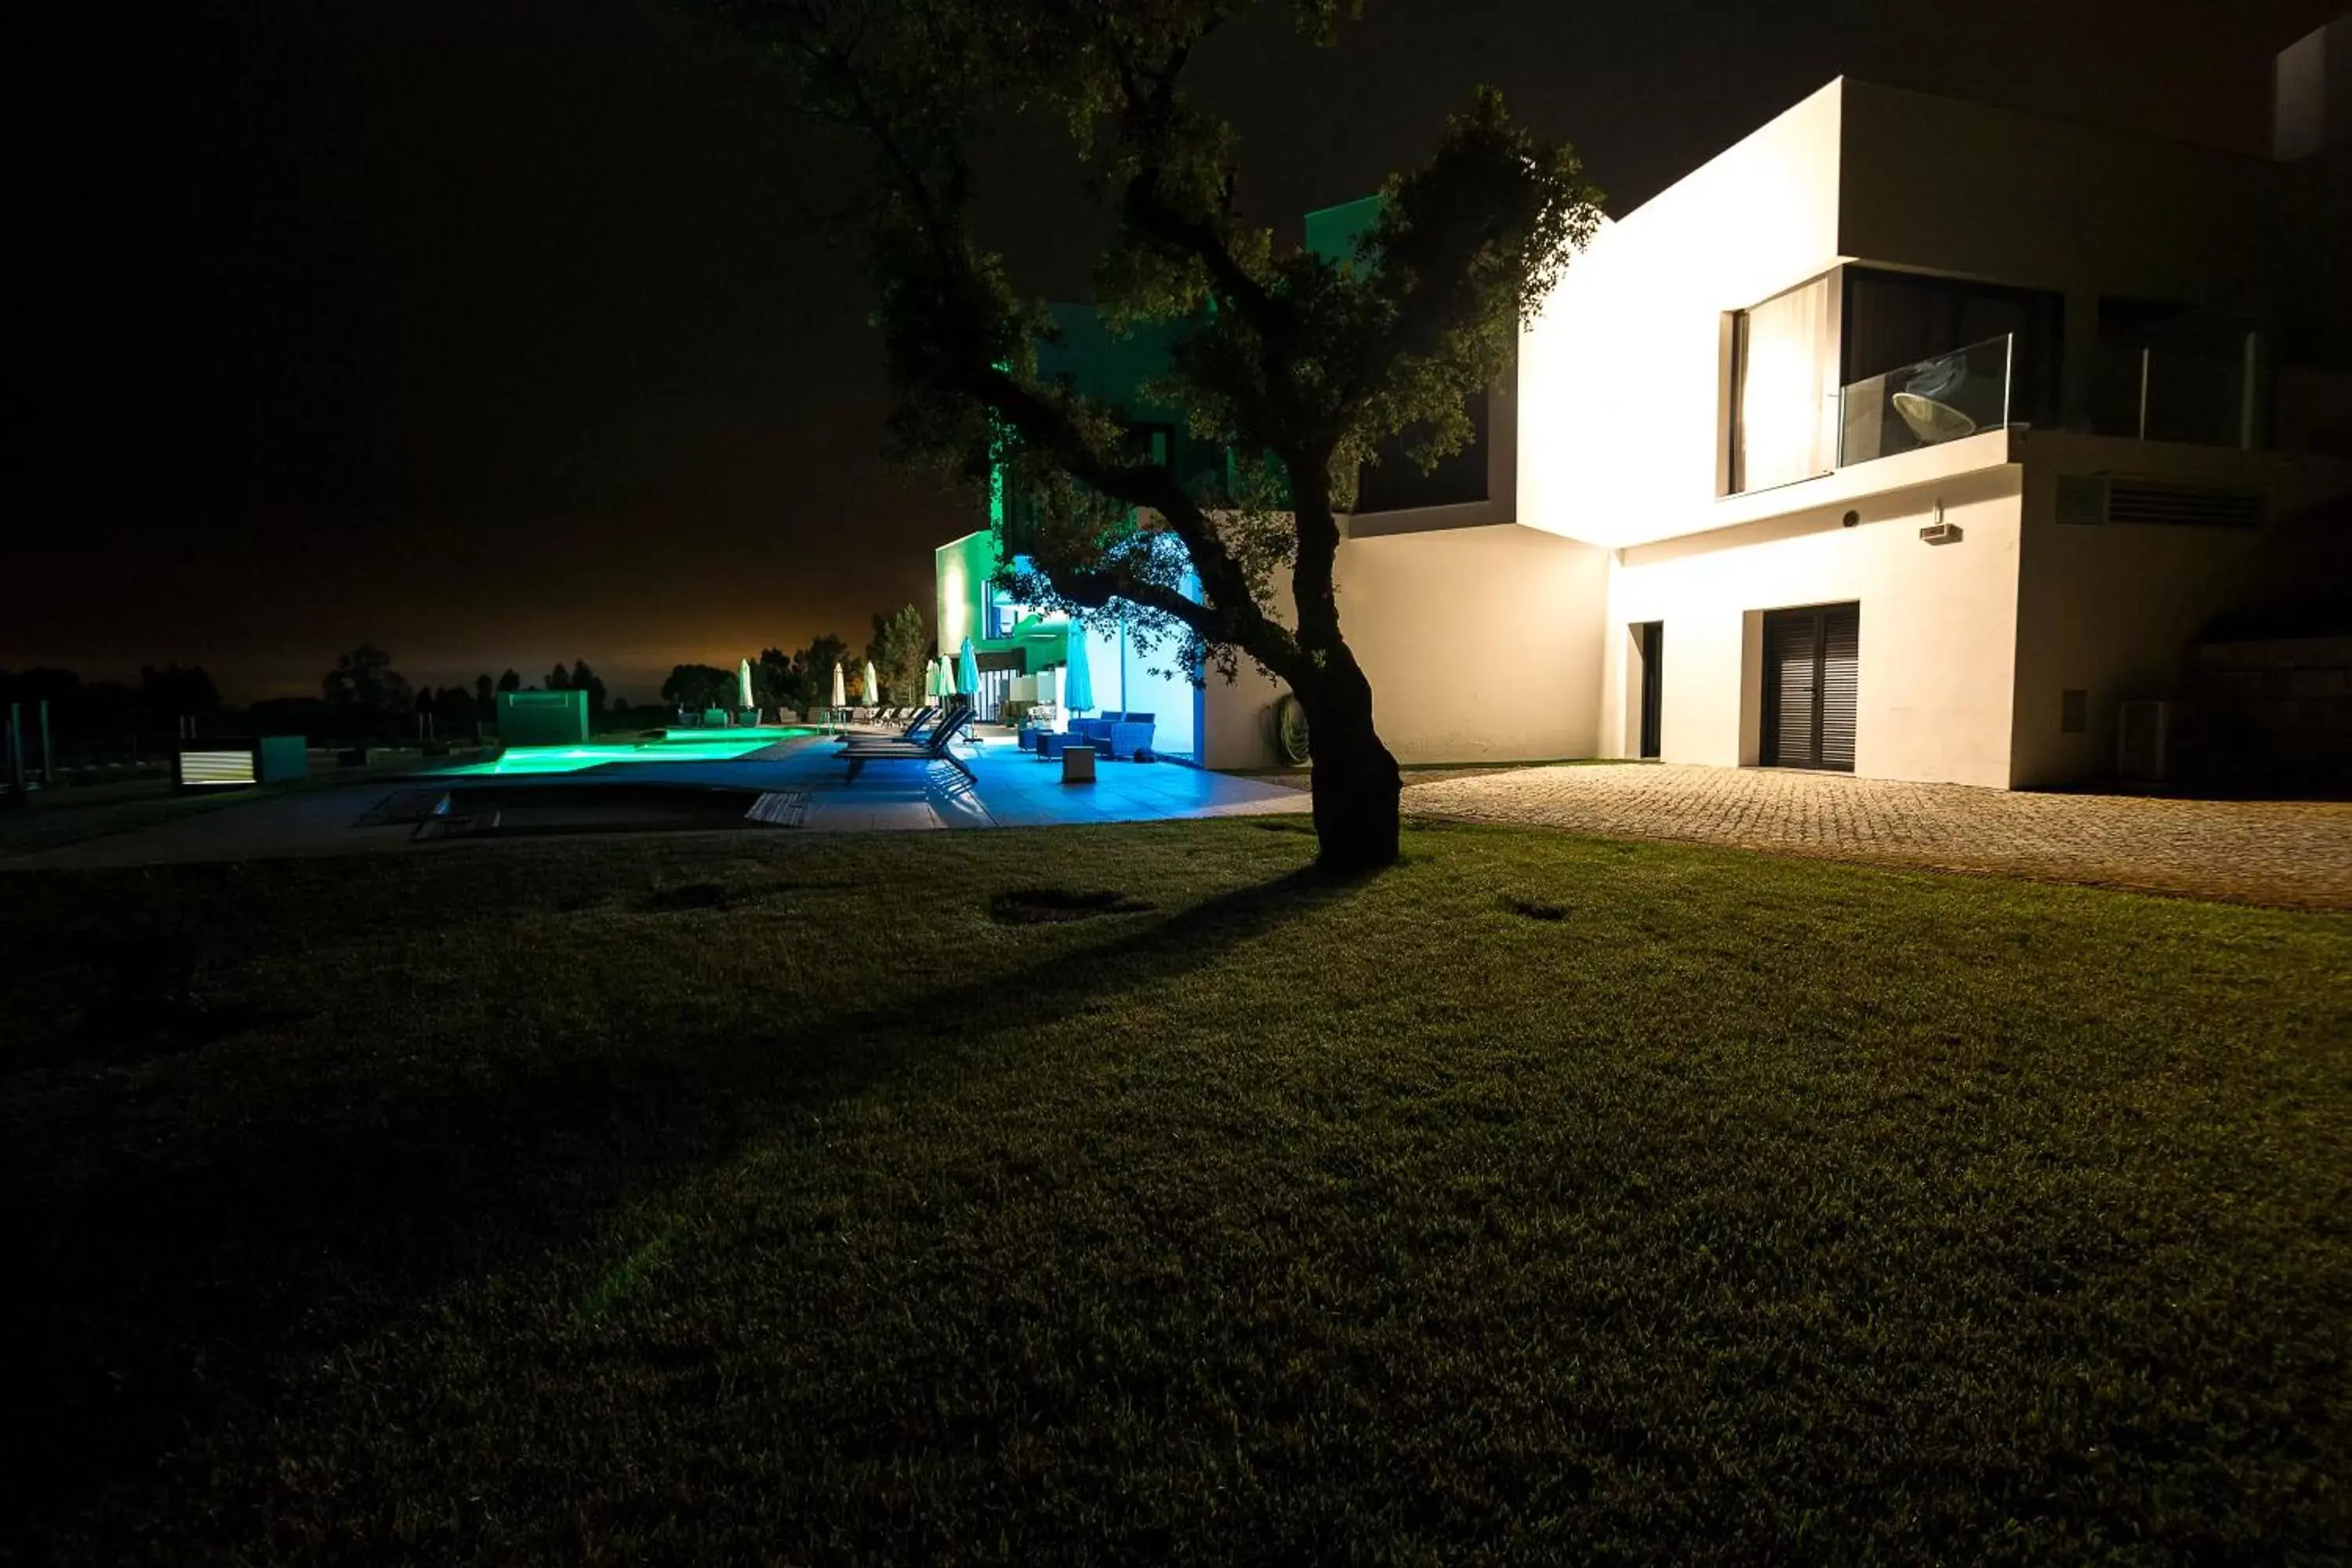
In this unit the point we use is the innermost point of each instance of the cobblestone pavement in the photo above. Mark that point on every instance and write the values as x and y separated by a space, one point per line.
2289 853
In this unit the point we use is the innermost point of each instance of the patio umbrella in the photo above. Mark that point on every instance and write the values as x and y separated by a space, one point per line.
872 687
967 671
1078 680
930 678
947 677
840 696
743 684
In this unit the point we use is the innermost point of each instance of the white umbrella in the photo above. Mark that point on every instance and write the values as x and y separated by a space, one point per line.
1077 680
947 675
840 697
872 687
743 684
930 678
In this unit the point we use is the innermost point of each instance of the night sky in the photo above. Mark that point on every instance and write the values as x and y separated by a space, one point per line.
506 331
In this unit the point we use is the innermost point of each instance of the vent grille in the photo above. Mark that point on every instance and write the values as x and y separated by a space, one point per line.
2082 498
215 768
2135 500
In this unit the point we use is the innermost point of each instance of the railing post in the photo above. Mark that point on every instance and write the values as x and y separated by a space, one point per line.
2144 353
2249 409
2008 376
17 749
48 753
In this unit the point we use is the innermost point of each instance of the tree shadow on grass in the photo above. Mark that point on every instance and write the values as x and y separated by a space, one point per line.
161 1299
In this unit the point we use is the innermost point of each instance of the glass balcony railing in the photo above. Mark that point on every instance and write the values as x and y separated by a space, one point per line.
1924 404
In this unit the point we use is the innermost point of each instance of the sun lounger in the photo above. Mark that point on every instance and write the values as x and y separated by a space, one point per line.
939 747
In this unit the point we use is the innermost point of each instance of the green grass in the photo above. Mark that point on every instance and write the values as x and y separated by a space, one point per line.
829 1199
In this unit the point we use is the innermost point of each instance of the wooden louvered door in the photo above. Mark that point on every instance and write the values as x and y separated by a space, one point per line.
1812 679
1840 684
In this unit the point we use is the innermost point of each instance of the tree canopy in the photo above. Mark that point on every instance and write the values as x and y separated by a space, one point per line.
902 643
1299 364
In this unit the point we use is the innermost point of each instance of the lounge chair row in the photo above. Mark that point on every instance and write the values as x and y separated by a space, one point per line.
916 743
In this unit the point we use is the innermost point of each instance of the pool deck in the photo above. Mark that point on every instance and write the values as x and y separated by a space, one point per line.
1013 789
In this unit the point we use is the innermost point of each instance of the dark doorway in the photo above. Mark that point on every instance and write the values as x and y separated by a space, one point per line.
1812 679
1649 638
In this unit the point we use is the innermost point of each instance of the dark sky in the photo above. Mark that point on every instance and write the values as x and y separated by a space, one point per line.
518 329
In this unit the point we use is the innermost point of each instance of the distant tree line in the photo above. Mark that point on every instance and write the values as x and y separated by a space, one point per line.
797 682
365 697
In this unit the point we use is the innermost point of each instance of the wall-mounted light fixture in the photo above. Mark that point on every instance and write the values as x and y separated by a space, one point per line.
1851 520
1939 531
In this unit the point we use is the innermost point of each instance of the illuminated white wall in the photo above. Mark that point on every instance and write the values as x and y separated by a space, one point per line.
1938 628
1481 644
1621 379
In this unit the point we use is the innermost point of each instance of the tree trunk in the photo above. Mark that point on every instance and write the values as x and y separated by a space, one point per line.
1356 782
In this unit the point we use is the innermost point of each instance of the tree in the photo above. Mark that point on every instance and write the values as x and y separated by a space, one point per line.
455 710
509 681
580 678
699 686
902 641
1299 365
559 679
815 665
364 693
178 693
778 682
484 699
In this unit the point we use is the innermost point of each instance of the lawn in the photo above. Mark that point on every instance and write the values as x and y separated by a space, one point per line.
763 1198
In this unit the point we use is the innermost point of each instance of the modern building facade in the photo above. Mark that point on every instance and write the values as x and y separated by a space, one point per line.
1907 437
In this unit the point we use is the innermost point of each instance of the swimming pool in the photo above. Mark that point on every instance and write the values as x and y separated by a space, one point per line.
681 746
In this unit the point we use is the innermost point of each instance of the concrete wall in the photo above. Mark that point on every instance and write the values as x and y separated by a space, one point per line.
1481 644
1621 380
1956 187
2110 609
1939 628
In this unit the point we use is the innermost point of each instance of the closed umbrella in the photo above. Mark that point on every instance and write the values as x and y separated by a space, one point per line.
872 687
1078 681
930 679
743 684
967 670
947 675
840 695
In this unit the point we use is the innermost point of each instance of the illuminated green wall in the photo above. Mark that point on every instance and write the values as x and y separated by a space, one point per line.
542 718
1332 232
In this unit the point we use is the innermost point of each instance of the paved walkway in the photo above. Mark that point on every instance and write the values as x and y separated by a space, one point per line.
2272 852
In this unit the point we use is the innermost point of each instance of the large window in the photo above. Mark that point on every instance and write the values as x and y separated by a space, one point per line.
1784 388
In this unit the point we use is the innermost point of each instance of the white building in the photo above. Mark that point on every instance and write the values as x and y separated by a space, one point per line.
1907 437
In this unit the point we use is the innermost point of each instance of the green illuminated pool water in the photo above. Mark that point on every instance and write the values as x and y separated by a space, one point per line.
709 746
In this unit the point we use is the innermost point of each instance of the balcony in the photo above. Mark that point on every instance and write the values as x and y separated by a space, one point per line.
2199 395
1944 398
